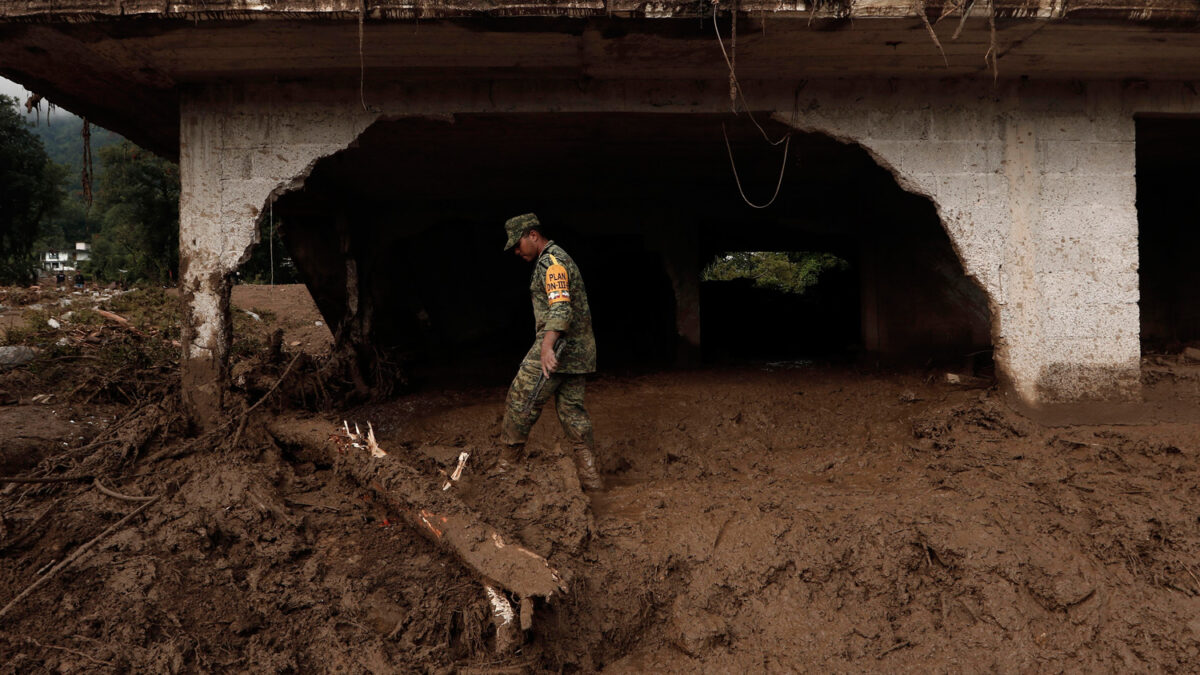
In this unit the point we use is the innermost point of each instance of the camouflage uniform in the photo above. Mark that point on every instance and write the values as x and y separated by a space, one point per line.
559 304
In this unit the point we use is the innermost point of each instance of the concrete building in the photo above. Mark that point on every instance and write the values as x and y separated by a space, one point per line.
57 261
988 184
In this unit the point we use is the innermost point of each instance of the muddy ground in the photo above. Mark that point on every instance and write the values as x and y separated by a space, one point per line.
785 517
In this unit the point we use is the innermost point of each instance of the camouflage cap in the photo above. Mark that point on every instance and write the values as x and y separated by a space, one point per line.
517 226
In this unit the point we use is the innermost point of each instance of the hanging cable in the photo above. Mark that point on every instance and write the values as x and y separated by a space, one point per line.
733 83
86 173
787 142
272 238
738 85
362 64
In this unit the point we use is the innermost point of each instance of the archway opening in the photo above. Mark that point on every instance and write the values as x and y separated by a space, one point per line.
412 215
1168 239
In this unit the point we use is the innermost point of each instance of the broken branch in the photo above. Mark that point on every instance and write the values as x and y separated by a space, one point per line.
176 452
119 319
899 645
457 475
76 652
51 479
439 516
117 495
921 12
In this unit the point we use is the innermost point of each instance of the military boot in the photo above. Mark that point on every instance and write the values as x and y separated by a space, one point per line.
509 456
585 466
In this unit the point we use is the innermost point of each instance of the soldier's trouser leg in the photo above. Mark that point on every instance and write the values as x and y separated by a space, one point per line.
577 425
515 428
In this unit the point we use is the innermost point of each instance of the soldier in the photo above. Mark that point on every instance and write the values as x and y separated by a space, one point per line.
560 312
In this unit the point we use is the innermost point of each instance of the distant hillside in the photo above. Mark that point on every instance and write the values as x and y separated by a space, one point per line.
60 132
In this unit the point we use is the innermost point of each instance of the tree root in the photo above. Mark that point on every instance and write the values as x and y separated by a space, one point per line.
117 495
76 652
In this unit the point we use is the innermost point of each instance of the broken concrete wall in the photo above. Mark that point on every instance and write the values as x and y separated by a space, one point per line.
1035 186
231 163
1033 183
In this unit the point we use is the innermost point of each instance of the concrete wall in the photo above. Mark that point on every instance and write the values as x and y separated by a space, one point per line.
1034 184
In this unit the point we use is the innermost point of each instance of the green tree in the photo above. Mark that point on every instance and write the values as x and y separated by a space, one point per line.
137 200
269 252
30 190
62 137
790 272
71 222
61 134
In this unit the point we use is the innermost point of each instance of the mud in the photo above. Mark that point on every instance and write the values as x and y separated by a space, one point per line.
840 520
760 518
288 307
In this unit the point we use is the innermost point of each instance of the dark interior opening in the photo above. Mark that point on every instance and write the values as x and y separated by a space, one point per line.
1168 172
642 202
781 305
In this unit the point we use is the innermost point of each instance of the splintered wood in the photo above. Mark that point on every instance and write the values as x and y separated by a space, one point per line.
458 470
429 507
507 636
444 518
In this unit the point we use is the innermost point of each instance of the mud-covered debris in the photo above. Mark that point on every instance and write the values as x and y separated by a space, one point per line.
12 356
695 631
963 380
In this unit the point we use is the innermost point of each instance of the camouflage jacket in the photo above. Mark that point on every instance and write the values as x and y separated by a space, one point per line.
560 303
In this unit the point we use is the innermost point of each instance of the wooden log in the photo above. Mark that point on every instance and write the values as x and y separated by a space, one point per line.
438 515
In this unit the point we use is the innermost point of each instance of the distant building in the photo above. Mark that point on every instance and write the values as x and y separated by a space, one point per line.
63 261
55 261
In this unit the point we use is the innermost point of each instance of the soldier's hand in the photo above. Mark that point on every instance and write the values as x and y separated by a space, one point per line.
549 361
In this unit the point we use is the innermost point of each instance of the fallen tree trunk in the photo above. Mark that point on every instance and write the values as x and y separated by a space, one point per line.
438 515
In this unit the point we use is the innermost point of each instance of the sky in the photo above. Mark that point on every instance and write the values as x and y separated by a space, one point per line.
13 89
10 88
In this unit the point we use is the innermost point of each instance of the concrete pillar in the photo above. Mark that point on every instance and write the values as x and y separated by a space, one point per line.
1078 278
236 154
1019 337
681 253
678 243
208 253
868 285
